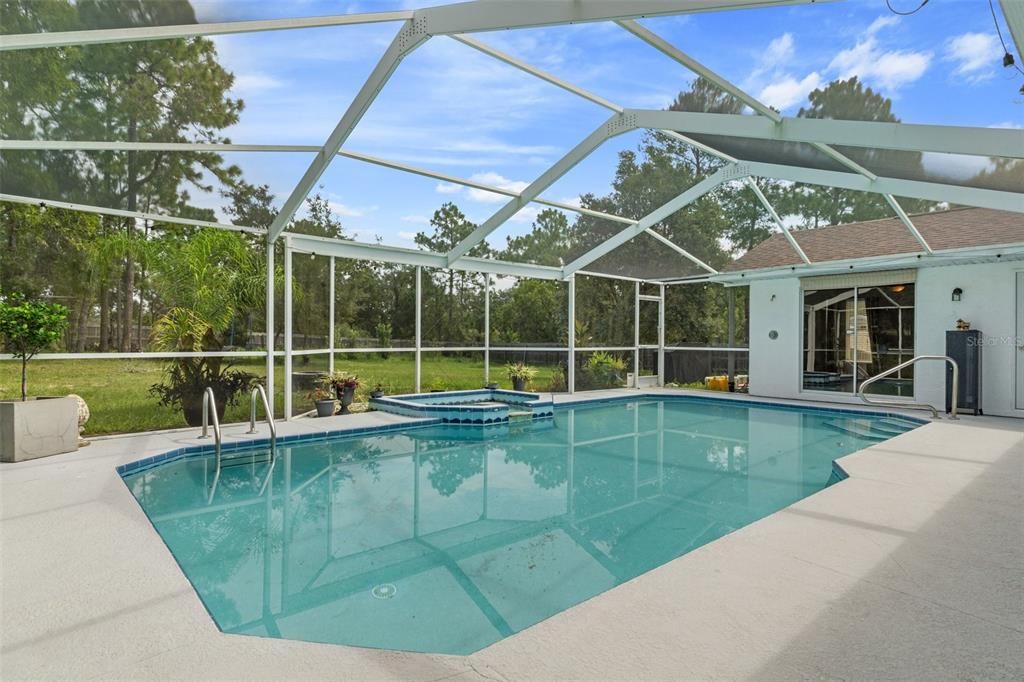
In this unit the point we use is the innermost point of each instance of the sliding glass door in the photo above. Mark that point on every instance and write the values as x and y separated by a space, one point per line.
853 333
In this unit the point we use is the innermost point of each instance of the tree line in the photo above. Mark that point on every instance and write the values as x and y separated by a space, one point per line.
133 278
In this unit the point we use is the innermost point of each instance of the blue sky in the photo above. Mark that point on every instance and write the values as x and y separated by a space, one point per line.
452 109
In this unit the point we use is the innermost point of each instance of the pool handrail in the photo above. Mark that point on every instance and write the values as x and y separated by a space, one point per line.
259 391
903 365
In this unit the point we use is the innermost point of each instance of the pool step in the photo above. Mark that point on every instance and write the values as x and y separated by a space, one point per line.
871 429
515 415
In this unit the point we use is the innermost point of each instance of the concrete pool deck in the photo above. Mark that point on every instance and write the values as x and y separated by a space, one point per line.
912 568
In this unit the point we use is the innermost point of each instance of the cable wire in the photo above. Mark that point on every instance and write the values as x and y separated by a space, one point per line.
888 3
999 33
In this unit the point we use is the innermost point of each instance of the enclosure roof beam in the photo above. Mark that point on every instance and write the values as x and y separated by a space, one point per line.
138 215
691 195
479 15
905 219
616 125
231 147
575 89
672 52
911 137
410 36
916 189
680 250
1013 10
340 248
778 221
25 41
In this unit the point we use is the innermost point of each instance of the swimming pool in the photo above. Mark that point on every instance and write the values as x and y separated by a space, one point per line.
448 538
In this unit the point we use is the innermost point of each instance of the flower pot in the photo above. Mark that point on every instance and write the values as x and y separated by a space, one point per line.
346 396
377 394
492 386
192 408
37 428
325 408
518 384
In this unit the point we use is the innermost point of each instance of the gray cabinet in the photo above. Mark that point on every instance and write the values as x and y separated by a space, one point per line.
965 347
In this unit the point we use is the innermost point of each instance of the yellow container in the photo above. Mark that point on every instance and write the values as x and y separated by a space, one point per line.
717 383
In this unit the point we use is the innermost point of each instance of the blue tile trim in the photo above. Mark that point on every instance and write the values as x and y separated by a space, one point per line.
456 407
837 410
190 451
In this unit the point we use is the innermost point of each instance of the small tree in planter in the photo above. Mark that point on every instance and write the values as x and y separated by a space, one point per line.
34 428
520 374
28 327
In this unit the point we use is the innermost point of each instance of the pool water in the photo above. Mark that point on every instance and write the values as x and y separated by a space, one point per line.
449 538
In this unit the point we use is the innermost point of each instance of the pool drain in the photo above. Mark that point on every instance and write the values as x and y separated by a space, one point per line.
384 591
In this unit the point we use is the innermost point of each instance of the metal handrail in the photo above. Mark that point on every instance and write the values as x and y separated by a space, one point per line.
904 365
258 390
210 410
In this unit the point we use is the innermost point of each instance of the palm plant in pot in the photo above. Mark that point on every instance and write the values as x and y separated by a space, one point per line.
209 279
187 378
344 386
520 374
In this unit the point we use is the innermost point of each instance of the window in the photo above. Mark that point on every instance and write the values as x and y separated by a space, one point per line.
853 333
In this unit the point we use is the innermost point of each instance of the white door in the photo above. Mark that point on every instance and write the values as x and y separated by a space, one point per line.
1020 341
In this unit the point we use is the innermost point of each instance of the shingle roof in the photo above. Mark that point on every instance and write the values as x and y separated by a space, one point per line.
953 229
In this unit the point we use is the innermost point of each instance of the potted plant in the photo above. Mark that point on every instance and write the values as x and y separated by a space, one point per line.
36 428
344 386
187 378
324 401
491 385
520 374
377 392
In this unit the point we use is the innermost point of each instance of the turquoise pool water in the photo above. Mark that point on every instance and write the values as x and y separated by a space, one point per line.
449 538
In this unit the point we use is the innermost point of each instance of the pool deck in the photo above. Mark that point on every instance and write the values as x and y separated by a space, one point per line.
913 568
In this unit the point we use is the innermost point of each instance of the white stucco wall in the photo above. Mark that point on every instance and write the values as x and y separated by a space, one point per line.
988 303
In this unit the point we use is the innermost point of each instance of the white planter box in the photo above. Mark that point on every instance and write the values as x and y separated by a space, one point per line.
37 428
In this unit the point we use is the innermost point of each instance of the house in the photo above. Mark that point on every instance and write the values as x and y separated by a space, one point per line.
872 297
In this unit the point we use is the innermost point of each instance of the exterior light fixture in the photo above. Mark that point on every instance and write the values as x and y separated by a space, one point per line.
958 294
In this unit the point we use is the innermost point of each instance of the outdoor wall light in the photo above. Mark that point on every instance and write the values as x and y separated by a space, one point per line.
958 294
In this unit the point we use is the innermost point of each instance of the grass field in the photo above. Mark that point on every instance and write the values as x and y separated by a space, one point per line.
117 391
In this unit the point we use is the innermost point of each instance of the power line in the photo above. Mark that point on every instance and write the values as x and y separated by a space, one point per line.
1007 55
888 3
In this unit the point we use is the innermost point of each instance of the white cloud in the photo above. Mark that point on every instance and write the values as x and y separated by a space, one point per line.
408 236
884 21
891 69
1008 124
780 50
495 180
346 211
527 214
415 219
789 91
448 188
974 54
249 83
573 201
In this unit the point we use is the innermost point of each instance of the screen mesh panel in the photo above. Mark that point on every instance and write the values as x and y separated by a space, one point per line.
645 257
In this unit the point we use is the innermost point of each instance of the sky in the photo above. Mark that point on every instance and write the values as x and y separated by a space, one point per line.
454 110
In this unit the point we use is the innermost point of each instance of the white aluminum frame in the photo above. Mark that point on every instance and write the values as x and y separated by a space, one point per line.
455 20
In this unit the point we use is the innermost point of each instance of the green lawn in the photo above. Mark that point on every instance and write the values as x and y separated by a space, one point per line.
117 391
